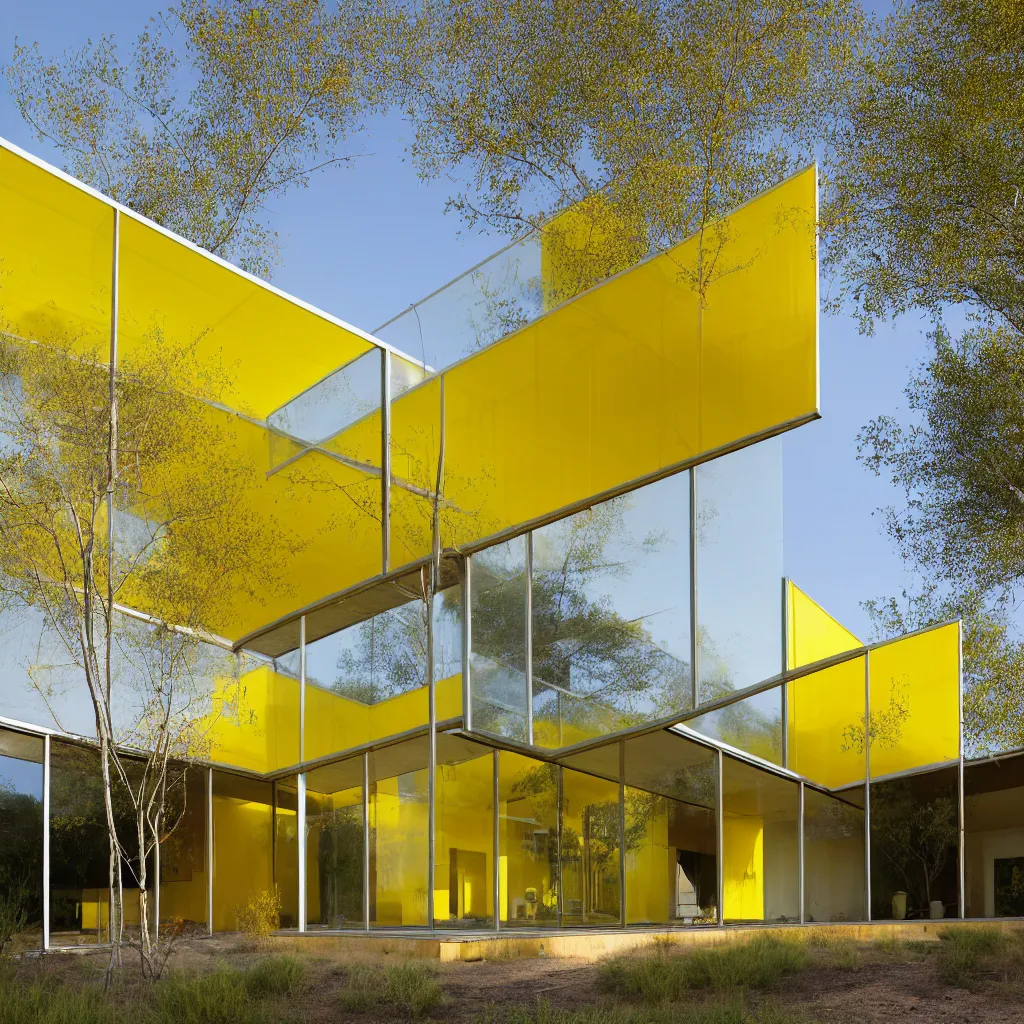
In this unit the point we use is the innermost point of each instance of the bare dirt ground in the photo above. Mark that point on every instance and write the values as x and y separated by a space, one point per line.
880 986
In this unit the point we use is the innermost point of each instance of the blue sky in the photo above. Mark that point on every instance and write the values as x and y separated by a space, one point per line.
364 241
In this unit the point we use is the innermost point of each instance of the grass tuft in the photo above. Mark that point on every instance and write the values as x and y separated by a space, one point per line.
411 987
838 948
274 976
217 997
961 951
760 963
729 1010
55 1004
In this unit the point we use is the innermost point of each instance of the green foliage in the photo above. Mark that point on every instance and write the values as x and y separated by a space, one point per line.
274 976
217 997
961 951
760 963
272 87
55 1004
728 1010
840 951
410 987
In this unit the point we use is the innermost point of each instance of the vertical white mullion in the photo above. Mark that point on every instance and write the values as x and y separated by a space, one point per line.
467 641
800 850
300 813
622 833
694 647
46 842
785 666
961 818
302 689
209 850
496 842
366 840
385 461
528 636
720 836
867 785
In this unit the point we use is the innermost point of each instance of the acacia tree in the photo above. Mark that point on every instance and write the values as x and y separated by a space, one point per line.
218 108
651 119
118 489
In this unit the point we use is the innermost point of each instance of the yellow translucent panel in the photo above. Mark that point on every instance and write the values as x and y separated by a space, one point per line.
256 721
760 815
56 257
826 724
360 442
915 701
269 346
633 376
812 633
243 823
528 841
415 450
335 723
464 837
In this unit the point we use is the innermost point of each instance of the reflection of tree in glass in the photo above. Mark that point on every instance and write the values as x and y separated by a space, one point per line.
747 724
508 300
21 844
582 643
389 654
884 727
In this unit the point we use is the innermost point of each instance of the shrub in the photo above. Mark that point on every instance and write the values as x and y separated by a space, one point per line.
274 976
960 953
760 963
13 911
411 987
260 916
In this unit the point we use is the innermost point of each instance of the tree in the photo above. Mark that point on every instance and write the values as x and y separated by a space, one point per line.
958 466
219 108
122 490
650 119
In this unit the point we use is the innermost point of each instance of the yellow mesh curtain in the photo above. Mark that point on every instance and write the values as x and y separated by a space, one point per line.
915 701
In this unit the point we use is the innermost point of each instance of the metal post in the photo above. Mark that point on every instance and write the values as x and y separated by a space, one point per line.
694 647
622 833
529 638
467 641
720 838
46 842
867 785
497 846
209 850
273 832
156 884
558 842
785 665
385 460
302 689
366 840
800 853
961 818
300 827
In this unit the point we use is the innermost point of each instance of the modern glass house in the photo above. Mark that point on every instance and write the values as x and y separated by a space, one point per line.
520 651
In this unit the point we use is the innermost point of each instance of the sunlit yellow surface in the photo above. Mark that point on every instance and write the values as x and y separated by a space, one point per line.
56 257
743 871
915 701
812 633
634 375
826 721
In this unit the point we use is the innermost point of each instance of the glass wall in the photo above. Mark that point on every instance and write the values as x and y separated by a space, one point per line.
335 838
183 867
498 636
753 724
761 861
671 831
243 845
21 837
398 834
369 681
79 849
589 851
528 864
611 613
464 834
286 849
914 841
834 879
739 569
